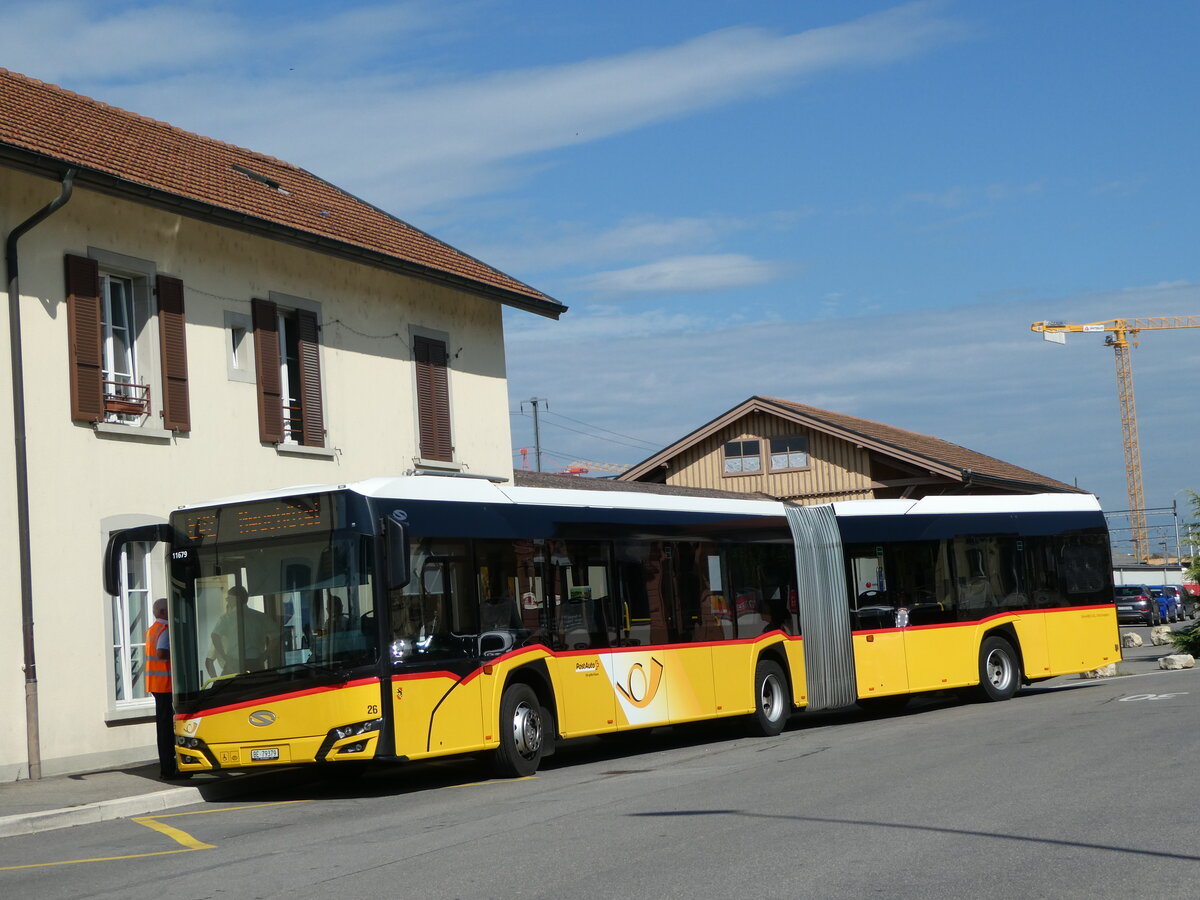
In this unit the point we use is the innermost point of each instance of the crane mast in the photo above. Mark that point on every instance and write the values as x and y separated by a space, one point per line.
1119 335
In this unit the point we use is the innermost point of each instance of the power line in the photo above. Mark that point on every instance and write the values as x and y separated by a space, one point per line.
597 436
607 430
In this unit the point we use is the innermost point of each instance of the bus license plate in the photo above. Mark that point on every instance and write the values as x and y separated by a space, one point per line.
268 753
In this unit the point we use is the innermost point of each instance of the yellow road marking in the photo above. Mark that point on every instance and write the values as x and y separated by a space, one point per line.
179 837
189 843
72 862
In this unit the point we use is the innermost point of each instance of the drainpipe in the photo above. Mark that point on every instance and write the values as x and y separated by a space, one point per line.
32 732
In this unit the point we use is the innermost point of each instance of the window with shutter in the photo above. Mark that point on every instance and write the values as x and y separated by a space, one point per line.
287 353
433 399
84 339
266 362
127 353
172 336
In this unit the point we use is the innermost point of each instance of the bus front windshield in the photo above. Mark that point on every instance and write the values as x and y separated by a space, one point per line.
279 606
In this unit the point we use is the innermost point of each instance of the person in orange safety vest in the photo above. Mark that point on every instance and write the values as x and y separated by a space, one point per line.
158 683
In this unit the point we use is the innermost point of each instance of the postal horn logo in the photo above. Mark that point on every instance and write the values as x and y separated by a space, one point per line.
639 688
261 717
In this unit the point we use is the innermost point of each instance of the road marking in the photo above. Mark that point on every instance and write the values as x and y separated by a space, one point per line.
189 843
1136 697
72 862
179 837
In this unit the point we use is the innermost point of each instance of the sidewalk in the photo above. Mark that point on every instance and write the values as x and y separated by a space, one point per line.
60 801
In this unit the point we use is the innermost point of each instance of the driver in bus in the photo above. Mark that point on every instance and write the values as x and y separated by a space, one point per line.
239 640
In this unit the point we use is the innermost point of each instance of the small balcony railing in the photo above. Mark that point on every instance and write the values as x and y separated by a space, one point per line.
122 398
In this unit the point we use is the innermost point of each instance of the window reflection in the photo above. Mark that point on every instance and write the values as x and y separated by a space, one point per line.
972 576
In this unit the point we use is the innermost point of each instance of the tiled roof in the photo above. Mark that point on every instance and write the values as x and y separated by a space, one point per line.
924 445
911 447
140 153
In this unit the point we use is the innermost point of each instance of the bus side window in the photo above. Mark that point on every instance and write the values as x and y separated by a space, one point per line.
633 602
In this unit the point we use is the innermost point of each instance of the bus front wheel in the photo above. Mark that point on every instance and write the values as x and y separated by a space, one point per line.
999 671
771 699
522 733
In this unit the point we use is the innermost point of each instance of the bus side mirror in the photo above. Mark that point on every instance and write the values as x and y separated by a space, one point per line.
118 540
395 532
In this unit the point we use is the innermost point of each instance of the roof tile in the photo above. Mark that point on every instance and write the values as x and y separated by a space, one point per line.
52 122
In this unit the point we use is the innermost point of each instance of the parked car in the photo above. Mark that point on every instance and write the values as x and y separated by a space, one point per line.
1134 604
1187 606
1168 608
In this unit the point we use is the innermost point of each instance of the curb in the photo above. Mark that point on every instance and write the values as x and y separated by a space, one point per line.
102 811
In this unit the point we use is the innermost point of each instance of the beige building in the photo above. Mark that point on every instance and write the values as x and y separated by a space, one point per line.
795 452
196 320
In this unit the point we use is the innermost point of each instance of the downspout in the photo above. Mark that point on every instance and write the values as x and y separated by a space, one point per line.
32 731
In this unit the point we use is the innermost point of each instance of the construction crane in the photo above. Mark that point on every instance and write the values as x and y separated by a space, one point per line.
1119 334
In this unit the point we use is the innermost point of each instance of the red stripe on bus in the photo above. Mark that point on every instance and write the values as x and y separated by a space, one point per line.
972 622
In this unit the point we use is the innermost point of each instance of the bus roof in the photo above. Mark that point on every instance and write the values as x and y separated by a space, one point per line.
482 490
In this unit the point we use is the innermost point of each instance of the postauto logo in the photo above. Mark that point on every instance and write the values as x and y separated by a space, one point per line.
261 717
641 688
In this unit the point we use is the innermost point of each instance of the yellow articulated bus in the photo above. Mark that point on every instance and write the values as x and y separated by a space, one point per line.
406 618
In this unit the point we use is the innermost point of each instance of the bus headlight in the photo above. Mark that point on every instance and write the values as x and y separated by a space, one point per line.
358 728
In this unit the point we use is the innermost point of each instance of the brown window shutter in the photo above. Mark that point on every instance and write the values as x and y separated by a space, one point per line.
433 400
84 332
266 364
312 416
172 339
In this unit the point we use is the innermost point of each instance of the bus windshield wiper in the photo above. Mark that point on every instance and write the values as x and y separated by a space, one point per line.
336 671
283 673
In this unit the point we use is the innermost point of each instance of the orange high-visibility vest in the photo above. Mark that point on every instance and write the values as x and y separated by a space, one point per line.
158 671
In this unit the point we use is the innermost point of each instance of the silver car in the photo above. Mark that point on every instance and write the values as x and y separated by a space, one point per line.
1184 604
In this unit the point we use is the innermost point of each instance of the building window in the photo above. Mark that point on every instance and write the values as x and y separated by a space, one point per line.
433 399
288 363
127 343
789 453
124 393
742 457
131 617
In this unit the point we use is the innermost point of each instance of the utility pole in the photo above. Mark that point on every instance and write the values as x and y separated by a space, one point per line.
537 434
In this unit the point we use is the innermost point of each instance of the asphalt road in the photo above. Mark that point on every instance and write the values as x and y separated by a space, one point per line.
1078 789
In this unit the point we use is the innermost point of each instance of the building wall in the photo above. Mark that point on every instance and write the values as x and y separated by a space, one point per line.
80 478
837 469
1152 576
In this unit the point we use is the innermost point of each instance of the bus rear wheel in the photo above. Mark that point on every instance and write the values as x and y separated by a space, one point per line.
999 671
772 699
522 733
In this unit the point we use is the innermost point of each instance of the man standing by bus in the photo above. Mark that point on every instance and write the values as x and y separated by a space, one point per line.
158 683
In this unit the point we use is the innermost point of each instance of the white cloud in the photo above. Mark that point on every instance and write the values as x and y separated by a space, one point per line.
960 196
118 42
66 40
975 376
681 275
570 244
419 137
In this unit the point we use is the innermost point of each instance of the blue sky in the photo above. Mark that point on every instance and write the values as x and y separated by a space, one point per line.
857 205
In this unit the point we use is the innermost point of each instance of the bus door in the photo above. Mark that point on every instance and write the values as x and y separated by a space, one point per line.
880 659
583 626
434 634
